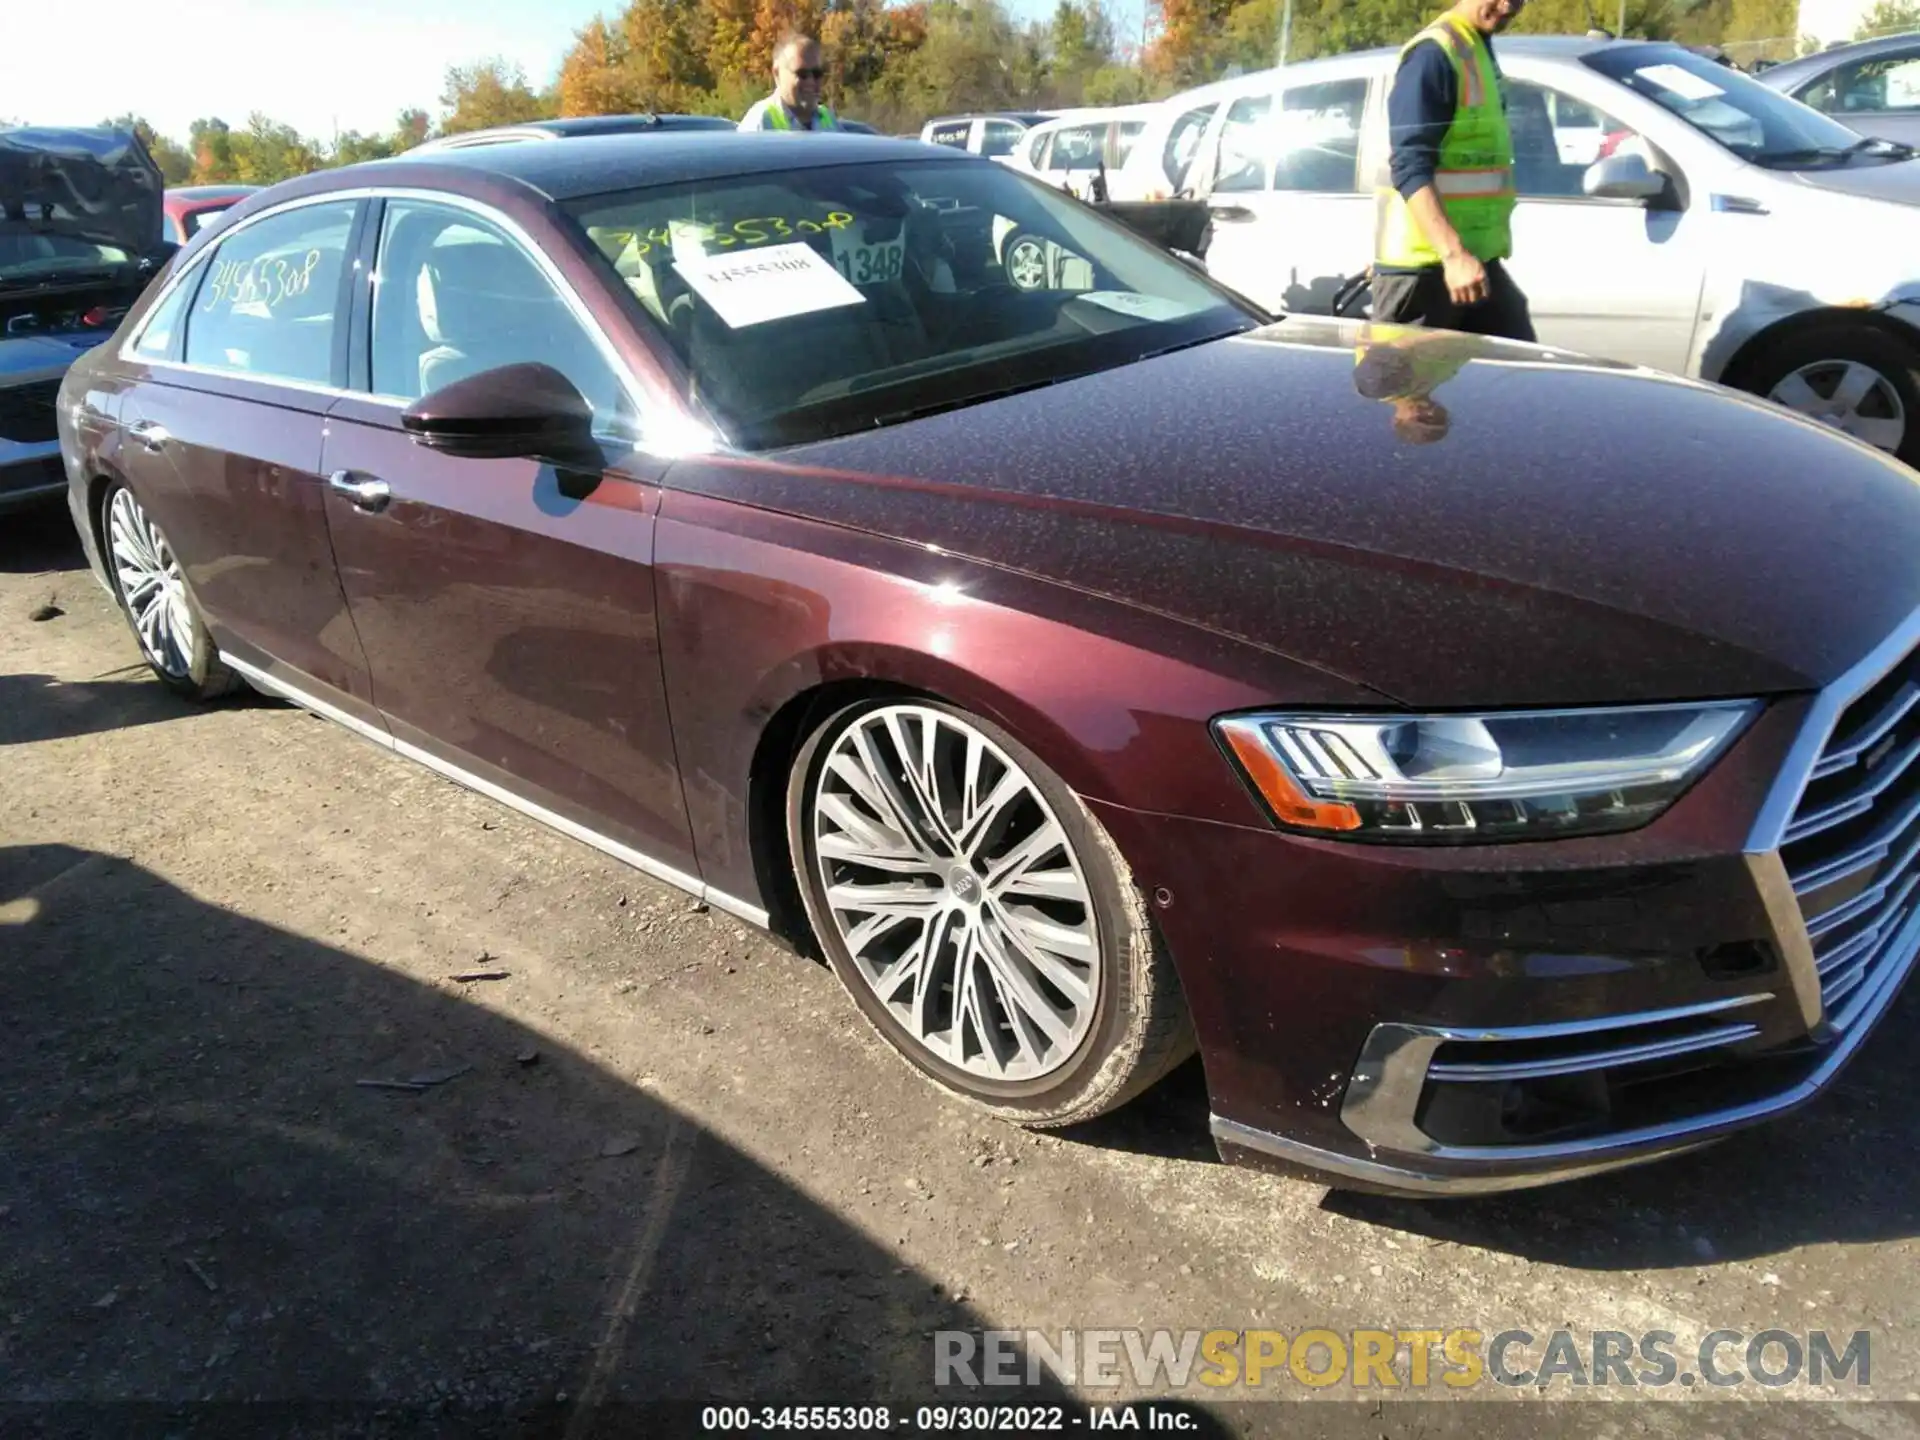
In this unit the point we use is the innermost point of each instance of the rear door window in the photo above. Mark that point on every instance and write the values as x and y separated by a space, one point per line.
999 137
1889 82
1078 147
1317 139
1245 154
1183 143
268 305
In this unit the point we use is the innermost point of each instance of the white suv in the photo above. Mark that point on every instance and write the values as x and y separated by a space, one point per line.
1673 212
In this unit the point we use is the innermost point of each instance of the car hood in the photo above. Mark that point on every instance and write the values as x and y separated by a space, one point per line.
1897 183
1517 527
98 185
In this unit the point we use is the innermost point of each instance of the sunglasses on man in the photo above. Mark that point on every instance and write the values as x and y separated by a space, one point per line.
811 72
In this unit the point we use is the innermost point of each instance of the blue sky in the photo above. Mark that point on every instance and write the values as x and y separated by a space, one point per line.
315 64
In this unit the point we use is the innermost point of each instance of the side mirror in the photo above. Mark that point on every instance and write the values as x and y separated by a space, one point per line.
1623 176
512 412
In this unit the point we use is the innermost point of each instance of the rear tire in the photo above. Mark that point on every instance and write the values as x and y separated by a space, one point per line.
1857 378
151 587
1039 993
1024 261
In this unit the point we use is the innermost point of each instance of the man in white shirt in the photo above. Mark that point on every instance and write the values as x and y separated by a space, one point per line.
798 68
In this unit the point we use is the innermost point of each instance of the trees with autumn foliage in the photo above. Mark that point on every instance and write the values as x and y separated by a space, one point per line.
897 64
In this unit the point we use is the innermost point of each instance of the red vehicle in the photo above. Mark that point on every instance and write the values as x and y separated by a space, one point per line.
1091 673
191 206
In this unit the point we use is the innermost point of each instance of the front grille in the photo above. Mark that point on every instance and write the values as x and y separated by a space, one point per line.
1852 847
26 413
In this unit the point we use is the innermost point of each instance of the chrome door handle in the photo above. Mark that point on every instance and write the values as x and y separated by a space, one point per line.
150 434
367 493
1232 214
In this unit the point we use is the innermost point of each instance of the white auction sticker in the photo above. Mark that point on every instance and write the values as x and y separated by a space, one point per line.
1678 81
771 282
1144 307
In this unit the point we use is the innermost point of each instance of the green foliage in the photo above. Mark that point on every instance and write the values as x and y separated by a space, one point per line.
1889 17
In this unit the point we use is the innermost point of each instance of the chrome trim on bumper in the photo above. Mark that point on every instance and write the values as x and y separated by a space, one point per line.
1381 1175
679 879
1624 1146
1395 1064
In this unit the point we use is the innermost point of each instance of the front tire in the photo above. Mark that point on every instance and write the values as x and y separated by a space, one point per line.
981 918
1856 378
152 590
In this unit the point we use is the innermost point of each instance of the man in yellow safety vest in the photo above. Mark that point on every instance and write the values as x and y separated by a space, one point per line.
1445 222
798 68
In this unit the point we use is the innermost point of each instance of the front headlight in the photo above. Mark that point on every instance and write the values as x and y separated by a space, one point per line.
1466 779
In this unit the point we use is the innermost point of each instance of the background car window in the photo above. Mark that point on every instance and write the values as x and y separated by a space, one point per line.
1078 147
267 304
1317 138
1036 149
1891 82
454 296
1244 151
998 137
1183 143
1555 139
1124 135
952 134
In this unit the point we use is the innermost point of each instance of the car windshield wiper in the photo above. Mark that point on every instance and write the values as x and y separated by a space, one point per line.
1836 153
1894 149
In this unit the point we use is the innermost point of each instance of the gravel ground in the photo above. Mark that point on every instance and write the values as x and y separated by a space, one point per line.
660 1158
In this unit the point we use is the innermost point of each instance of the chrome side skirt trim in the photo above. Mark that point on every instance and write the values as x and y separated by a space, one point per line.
1398 1178
646 864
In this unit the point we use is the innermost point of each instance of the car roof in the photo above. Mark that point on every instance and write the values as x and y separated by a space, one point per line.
1095 114
1544 47
570 126
1029 117
1821 61
596 164
209 192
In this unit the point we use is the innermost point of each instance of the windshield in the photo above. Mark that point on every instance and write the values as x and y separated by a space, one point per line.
1755 123
820 302
29 256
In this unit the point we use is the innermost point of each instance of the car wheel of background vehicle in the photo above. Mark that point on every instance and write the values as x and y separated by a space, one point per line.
979 915
152 590
1024 258
1856 378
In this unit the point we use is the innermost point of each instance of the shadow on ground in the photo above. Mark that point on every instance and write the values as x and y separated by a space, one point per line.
203 1201
39 538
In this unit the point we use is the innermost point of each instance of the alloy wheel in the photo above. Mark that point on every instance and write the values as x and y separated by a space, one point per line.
152 584
956 892
1850 396
1027 264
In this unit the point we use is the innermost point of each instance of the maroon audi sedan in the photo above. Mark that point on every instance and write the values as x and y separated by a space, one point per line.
1498 765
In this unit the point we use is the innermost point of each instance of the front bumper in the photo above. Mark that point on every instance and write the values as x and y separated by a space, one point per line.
1424 1020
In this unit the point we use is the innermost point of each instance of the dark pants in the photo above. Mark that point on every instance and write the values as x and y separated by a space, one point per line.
1419 297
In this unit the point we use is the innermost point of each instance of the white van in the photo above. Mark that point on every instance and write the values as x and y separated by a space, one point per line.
1161 158
994 135
1070 151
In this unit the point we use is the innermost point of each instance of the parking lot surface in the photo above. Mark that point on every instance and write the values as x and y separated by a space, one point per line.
264 1143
